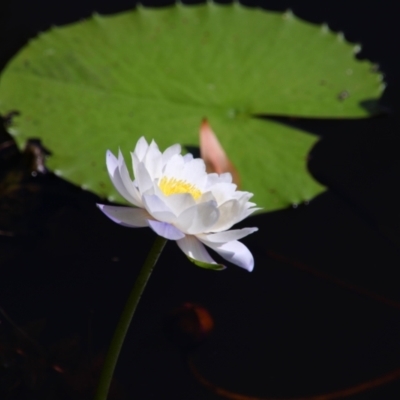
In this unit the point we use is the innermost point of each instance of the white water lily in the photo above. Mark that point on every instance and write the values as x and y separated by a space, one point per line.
174 196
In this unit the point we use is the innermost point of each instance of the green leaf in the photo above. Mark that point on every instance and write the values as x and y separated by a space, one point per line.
102 83
201 264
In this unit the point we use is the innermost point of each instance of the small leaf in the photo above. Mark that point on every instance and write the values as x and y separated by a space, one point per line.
201 264
214 155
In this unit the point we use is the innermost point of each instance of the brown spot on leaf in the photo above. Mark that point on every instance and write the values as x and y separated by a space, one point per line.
343 95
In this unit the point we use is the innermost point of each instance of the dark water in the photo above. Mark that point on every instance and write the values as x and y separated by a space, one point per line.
319 314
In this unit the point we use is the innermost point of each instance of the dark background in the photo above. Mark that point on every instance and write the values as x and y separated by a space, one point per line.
319 314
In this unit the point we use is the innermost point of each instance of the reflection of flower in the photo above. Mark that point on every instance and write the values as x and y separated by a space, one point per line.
176 198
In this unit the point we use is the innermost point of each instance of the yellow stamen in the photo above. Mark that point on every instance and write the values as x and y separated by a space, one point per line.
174 186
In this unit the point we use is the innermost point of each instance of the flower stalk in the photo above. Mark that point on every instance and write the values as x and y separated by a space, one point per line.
126 318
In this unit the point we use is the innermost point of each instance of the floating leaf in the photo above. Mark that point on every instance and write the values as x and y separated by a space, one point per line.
102 83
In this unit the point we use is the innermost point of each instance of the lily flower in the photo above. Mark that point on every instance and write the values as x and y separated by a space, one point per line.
175 196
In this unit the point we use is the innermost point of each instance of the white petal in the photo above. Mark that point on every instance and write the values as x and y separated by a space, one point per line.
166 230
141 148
188 157
228 236
119 183
223 191
207 196
199 218
179 202
169 152
134 192
242 197
154 204
236 253
135 164
128 183
153 161
228 213
158 209
213 179
143 179
194 249
226 177
111 162
126 216
248 212
174 168
194 172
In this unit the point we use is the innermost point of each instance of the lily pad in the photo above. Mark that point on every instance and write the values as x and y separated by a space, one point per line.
102 83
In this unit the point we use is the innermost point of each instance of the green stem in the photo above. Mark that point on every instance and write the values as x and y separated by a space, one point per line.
126 317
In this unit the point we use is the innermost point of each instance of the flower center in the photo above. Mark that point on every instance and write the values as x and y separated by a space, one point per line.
174 186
